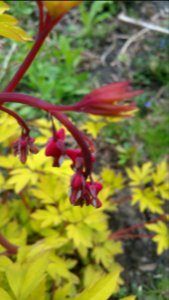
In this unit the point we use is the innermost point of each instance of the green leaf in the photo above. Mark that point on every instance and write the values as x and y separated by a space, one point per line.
63 292
161 237
47 217
4 262
25 278
81 235
4 295
14 275
59 267
103 289
34 275
39 292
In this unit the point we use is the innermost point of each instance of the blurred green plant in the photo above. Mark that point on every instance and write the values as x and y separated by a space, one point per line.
94 16
159 289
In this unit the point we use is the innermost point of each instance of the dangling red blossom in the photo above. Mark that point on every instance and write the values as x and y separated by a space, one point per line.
84 192
103 101
23 146
77 188
77 158
56 147
91 191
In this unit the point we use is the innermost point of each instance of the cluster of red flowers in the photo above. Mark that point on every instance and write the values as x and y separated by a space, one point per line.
82 191
102 101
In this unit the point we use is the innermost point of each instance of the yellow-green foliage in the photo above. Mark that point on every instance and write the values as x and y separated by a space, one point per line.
61 245
150 186
9 26
69 244
161 237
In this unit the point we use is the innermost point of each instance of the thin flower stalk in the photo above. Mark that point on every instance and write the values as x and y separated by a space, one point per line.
20 120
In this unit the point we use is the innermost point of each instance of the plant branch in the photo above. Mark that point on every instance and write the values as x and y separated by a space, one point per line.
41 15
11 248
55 111
124 232
47 27
20 121
26 63
79 137
133 236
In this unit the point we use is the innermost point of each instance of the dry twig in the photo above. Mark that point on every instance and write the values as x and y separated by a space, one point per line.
146 25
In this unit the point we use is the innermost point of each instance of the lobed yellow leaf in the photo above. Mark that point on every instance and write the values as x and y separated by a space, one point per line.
3 7
15 233
91 275
140 175
93 126
162 173
161 237
62 293
21 178
35 272
9 162
58 267
102 255
9 128
114 181
8 26
163 190
147 199
103 288
7 18
47 217
80 234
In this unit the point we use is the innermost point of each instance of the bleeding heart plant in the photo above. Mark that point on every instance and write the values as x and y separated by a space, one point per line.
102 101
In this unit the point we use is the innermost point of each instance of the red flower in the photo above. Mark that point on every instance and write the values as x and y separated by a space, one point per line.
23 146
82 192
76 156
77 188
92 190
103 101
56 147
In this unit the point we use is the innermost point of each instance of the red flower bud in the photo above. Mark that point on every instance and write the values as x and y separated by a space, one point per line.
56 147
103 101
23 146
82 192
76 188
77 158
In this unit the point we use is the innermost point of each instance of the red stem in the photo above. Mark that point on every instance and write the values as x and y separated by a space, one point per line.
24 201
41 14
79 137
47 27
33 101
20 121
11 248
132 236
27 62
54 110
137 226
